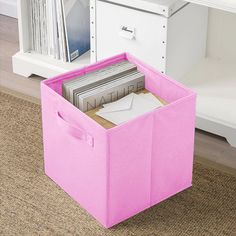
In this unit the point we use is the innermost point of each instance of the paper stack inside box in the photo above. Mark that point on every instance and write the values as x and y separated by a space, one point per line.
112 89
103 86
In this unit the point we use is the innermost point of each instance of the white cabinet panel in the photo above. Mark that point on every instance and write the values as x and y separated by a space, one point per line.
186 40
161 7
165 43
221 35
121 29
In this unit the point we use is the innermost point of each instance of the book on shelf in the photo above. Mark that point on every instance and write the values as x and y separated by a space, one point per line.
77 27
60 28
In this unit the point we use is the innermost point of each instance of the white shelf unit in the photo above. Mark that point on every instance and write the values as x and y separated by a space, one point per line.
213 78
26 63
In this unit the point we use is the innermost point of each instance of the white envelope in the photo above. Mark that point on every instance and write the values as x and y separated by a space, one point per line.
151 97
145 95
127 108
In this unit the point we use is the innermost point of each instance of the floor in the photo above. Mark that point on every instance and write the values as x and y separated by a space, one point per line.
9 45
209 149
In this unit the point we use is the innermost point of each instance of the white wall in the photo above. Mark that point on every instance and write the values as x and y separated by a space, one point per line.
8 8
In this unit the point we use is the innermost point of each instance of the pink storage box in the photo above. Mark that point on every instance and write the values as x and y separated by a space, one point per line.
116 173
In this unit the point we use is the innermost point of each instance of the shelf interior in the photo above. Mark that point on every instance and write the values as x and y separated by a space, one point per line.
215 82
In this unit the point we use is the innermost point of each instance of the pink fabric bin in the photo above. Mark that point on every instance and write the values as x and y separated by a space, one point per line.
116 173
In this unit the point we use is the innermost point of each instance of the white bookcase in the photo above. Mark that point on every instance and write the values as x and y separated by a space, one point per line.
213 77
26 63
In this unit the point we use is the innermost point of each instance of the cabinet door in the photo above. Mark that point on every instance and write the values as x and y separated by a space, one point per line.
121 29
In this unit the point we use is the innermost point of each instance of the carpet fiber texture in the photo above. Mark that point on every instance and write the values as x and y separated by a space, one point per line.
31 204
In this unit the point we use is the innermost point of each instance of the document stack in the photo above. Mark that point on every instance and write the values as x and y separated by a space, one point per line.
113 90
103 86
60 28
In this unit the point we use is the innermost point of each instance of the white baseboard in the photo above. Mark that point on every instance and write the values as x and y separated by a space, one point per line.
8 8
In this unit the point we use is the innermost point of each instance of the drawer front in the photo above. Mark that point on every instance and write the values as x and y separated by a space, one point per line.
121 29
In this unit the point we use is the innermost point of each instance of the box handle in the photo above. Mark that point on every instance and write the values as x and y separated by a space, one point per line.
74 130
127 32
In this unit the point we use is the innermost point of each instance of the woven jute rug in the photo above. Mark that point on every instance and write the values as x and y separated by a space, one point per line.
31 204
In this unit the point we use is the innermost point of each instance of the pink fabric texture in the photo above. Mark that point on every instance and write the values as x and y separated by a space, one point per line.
116 173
